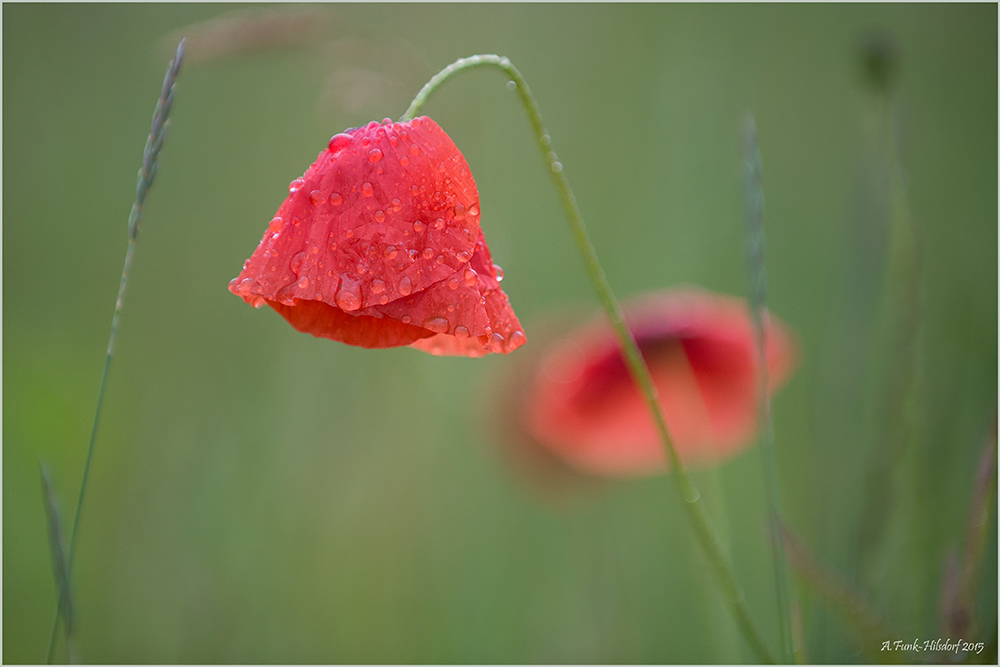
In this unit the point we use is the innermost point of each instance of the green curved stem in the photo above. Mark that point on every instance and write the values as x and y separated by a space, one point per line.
691 499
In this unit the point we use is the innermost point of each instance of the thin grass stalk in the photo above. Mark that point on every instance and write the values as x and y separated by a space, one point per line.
144 181
756 240
57 548
690 497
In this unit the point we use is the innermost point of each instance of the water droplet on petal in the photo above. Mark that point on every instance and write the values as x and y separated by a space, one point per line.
335 199
378 286
406 319
453 283
296 185
396 204
315 250
414 149
315 197
497 342
471 277
419 226
366 189
338 142
365 141
303 282
389 252
463 257
258 302
374 155
459 210
387 121
349 233
349 295
404 286
451 308
474 210
428 252
333 246
245 286
384 299
498 272
461 332
296 263
379 216
516 340
440 259
436 324
438 223
404 161
275 223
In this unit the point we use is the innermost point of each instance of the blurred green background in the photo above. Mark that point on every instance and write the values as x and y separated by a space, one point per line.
258 495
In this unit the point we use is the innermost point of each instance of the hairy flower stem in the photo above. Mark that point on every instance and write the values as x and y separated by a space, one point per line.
147 172
691 499
758 307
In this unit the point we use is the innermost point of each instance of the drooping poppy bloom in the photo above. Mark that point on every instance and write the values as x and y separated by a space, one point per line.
379 245
700 348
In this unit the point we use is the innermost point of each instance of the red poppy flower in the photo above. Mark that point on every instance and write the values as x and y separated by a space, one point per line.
378 245
701 352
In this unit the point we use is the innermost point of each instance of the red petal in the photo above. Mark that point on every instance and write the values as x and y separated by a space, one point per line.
373 243
701 352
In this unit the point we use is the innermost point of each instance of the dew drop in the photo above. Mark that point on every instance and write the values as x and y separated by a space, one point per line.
414 149
396 204
384 299
474 210
556 167
379 216
498 272
315 197
511 85
405 161
404 286
406 319
438 223
461 332
393 140
440 259
419 226
459 210
428 252
339 142
245 286
389 252
414 189
348 296
378 286
296 185
497 342
333 246
349 233
303 282
258 302
335 199
453 283
436 324
366 189
516 340
275 223
374 155
471 277
546 140
451 308
463 257
296 264
365 141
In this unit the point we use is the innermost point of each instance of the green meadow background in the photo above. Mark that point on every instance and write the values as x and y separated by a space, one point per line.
258 495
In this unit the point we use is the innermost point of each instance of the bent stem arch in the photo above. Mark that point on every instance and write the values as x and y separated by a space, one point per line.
691 499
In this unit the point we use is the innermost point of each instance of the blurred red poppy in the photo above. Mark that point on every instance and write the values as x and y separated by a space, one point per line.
379 245
700 348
